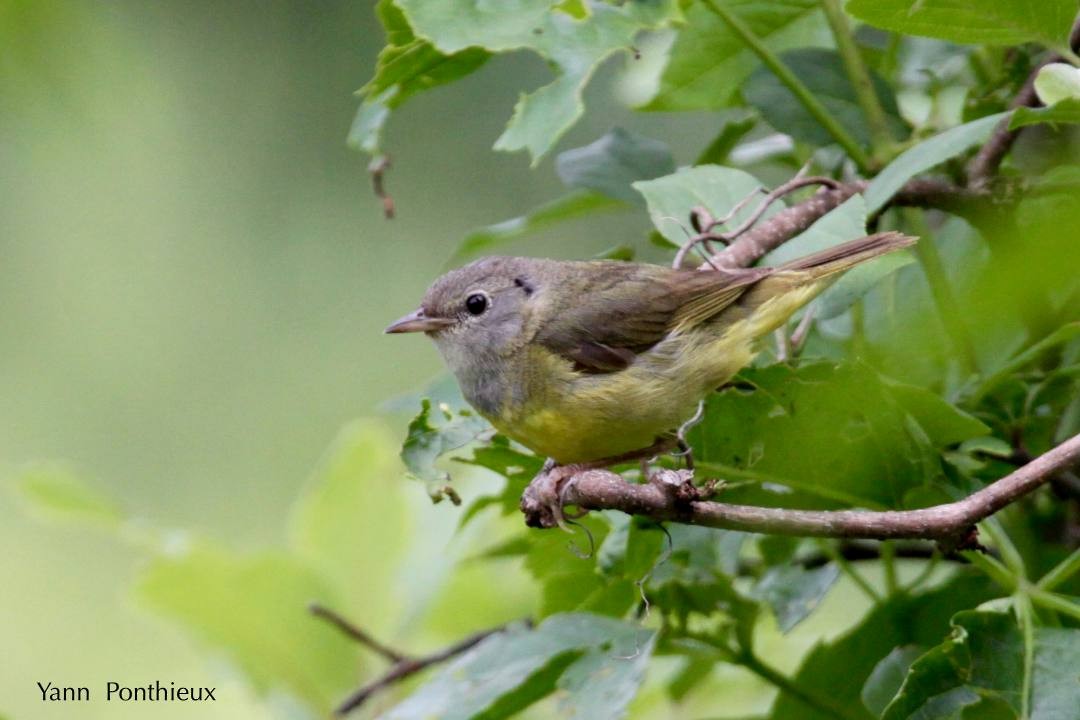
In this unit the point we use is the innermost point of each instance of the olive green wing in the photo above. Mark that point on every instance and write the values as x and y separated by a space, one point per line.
622 309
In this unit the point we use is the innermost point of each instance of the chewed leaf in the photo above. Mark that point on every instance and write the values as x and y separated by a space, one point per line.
434 433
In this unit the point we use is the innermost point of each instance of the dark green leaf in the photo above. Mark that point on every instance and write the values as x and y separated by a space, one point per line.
717 189
984 657
887 677
568 207
926 155
822 72
809 429
602 682
613 162
841 667
708 62
945 424
433 433
991 22
732 130
517 467
572 46
1065 111
793 592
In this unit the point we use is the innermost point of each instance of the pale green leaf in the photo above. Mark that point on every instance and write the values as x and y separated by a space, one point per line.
57 492
569 207
708 62
991 22
926 155
253 609
613 162
359 474
1056 82
365 134
718 189
435 432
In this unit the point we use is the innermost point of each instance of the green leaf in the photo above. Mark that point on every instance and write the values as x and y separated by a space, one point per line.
944 423
613 162
708 62
989 22
1056 82
365 134
602 682
357 472
887 677
842 666
57 492
568 207
254 609
411 65
808 430
572 46
1064 111
501 666
718 189
732 130
793 592
822 72
984 658
926 155
434 433
517 467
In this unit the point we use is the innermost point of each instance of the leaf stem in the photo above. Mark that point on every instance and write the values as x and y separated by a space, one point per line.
788 78
848 569
859 75
1061 572
1053 601
1026 615
805 695
888 564
927 570
993 568
1009 554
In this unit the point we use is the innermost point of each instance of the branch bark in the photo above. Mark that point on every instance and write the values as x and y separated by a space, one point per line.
671 496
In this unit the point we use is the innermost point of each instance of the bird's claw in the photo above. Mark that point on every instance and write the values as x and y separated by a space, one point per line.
543 500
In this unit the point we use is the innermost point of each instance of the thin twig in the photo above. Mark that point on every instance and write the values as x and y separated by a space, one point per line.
674 499
403 665
377 169
708 232
355 633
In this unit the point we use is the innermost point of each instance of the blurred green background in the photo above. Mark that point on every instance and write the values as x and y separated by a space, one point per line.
195 276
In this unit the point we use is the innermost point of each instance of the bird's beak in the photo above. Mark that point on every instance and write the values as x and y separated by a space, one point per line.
418 322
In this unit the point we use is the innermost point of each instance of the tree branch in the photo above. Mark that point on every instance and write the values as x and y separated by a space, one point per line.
404 666
671 496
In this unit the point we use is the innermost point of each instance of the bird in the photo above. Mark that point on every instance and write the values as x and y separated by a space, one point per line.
592 363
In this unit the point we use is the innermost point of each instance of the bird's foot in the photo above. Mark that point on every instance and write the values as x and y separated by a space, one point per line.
542 501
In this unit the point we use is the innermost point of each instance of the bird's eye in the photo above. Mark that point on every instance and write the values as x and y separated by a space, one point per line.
476 303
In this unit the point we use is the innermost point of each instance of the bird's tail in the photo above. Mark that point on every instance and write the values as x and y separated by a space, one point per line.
847 255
